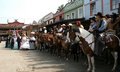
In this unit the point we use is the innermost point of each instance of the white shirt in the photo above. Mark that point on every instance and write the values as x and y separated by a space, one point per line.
45 31
60 30
32 38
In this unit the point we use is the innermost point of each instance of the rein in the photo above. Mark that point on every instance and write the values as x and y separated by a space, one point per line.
88 35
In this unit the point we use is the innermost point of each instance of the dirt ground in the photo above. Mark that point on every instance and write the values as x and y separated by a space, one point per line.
36 61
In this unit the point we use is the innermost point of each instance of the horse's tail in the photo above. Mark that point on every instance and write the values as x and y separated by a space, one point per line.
118 39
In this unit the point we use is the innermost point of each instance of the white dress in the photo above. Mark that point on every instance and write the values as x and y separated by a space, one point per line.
25 43
15 43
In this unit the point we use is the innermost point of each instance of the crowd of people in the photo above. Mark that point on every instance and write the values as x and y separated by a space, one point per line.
17 41
98 24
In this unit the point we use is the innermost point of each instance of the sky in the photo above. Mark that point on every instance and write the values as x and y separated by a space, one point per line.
27 10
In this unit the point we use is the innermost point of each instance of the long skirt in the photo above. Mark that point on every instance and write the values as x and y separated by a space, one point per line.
32 45
15 46
25 45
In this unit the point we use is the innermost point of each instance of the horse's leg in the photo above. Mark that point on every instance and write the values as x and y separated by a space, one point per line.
89 63
93 63
115 55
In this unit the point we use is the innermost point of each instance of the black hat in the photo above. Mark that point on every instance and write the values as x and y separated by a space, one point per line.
108 16
93 18
99 14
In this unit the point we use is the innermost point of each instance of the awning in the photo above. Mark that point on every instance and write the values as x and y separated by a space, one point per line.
66 21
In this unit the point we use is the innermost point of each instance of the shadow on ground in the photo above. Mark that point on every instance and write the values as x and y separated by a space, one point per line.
43 62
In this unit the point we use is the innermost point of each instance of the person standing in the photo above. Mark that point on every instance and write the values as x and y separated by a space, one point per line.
15 42
18 40
24 42
32 40
45 30
12 42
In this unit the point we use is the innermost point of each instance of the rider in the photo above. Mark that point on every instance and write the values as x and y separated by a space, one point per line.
64 31
41 30
101 24
78 23
70 28
100 28
60 30
92 26
45 30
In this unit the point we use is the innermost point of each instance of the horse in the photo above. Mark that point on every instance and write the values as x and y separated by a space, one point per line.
87 45
74 44
113 44
61 45
39 39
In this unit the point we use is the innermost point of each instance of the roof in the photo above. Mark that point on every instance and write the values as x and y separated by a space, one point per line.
12 25
65 21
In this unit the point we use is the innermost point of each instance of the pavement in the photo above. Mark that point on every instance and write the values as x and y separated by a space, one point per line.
37 61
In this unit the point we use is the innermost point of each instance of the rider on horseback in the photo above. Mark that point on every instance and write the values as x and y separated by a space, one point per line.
45 30
100 28
70 29
61 31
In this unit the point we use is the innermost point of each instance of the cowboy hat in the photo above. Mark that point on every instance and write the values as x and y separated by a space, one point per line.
63 25
32 33
99 14
44 27
70 24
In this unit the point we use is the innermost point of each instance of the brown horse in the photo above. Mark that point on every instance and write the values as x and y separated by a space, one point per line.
74 44
113 43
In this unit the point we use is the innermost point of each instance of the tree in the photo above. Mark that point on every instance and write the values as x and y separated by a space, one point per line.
34 22
60 8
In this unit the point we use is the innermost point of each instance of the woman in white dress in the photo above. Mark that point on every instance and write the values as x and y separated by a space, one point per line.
15 42
25 42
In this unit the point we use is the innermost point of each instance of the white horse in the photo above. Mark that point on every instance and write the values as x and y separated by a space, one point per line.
87 45
87 40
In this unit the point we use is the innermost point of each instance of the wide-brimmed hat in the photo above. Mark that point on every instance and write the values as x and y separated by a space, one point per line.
44 27
70 24
99 14
63 25
32 33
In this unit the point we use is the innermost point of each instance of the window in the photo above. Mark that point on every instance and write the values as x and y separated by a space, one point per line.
71 0
80 12
73 15
68 17
114 4
92 8
60 17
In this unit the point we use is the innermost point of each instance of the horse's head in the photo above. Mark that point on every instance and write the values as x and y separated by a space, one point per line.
72 35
